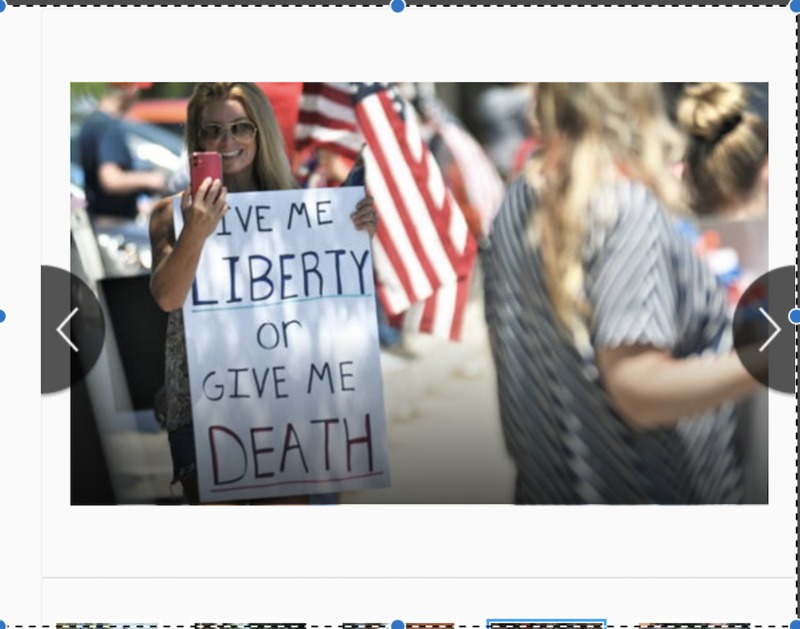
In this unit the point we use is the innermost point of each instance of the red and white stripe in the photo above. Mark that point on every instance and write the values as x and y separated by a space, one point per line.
442 314
327 119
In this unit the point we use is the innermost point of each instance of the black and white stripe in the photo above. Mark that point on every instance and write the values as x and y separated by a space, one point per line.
645 285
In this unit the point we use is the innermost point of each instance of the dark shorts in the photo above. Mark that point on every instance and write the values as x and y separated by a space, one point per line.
184 459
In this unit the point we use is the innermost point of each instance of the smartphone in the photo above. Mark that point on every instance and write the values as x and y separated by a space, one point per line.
202 165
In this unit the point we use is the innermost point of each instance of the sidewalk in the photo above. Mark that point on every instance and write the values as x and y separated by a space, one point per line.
445 440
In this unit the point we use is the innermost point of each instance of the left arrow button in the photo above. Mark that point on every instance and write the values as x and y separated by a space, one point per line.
73 329
60 330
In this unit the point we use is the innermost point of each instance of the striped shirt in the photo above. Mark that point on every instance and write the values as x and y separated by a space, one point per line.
644 286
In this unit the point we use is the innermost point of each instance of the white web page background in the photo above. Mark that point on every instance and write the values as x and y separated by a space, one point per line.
179 565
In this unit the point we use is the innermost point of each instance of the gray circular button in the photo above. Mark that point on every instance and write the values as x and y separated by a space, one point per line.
763 333
73 329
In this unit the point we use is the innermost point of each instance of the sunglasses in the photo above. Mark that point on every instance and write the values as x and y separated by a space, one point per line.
244 131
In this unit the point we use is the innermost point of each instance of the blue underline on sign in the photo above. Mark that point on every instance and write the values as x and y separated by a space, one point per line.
298 482
280 303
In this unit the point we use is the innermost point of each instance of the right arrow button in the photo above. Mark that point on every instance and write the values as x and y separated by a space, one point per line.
755 327
774 334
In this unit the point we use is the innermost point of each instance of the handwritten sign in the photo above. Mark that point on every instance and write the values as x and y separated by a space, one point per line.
282 344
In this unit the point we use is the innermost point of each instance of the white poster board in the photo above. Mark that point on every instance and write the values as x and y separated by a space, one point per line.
282 346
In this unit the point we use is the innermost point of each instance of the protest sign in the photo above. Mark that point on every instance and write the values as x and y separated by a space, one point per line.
282 346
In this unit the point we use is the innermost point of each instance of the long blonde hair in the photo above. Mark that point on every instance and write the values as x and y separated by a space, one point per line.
728 146
271 167
592 133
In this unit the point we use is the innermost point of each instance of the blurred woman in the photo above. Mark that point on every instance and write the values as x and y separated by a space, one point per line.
610 338
237 121
726 164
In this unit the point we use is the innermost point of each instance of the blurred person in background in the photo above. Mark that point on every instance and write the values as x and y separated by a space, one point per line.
726 166
726 174
236 120
112 185
505 113
611 340
323 168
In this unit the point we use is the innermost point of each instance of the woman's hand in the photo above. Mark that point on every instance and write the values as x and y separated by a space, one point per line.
202 214
175 261
365 218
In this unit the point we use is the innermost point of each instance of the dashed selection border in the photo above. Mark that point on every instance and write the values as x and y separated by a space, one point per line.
422 4
797 340
412 4
366 625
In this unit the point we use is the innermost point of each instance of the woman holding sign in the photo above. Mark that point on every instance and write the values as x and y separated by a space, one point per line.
237 121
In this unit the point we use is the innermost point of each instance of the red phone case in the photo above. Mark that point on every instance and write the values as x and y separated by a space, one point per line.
202 165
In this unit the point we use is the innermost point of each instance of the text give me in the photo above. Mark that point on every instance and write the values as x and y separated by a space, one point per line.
263 218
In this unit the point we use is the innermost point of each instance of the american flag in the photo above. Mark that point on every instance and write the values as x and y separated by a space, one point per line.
423 251
328 119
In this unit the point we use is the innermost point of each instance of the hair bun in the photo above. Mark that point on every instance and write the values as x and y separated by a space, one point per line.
707 111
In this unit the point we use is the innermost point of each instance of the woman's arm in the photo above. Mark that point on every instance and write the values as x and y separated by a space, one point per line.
651 389
114 180
175 262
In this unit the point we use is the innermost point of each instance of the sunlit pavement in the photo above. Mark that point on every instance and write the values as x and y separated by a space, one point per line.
445 442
